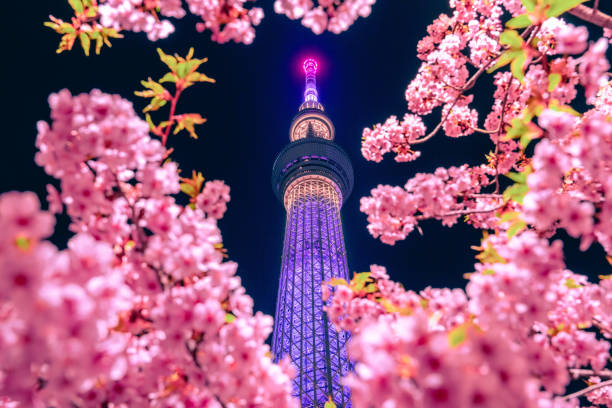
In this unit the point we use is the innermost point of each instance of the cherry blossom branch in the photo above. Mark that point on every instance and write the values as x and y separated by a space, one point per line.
484 195
601 326
468 85
588 389
592 15
499 131
193 352
462 212
579 372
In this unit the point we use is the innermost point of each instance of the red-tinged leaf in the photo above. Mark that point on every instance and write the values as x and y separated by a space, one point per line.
190 53
169 60
359 281
490 256
338 282
188 189
329 403
521 21
187 121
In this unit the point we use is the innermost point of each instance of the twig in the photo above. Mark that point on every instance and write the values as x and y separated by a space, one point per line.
469 85
461 212
592 15
193 353
484 195
179 89
601 326
485 131
588 389
499 132
579 372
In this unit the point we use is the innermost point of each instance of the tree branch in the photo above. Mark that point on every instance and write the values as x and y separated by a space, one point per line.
578 372
588 389
592 15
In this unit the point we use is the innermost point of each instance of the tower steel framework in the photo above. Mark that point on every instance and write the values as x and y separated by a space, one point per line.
312 176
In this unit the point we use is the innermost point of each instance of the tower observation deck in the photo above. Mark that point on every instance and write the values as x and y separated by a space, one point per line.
312 176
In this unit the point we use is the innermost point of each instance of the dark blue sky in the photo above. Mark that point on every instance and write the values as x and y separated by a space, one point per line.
363 75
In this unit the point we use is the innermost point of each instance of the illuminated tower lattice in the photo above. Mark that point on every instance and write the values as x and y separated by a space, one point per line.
312 176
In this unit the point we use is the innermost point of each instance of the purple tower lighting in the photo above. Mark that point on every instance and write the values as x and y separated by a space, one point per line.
312 176
310 68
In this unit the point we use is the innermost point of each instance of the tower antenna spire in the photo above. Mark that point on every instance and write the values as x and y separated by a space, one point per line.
310 69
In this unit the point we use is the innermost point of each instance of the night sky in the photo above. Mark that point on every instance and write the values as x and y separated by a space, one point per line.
362 77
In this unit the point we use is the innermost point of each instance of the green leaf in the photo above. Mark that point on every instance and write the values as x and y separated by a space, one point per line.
517 66
509 216
150 121
359 280
521 21
329 403
511 38
488 272
188 189
169 77
559 7
504 59
154 105
371 288
529 4
77 5
490 255
229 317
457 336
570 283
23 243
554 105
95 35
517 177
516 228
85 43
525 140
182 69
516 192
553 81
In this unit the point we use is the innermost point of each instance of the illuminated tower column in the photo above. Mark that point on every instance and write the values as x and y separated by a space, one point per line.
312 176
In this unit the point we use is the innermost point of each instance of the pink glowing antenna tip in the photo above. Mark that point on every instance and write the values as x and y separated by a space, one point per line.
310 69
310 66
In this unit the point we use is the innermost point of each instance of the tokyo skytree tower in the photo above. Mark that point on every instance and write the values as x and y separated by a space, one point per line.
312 176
